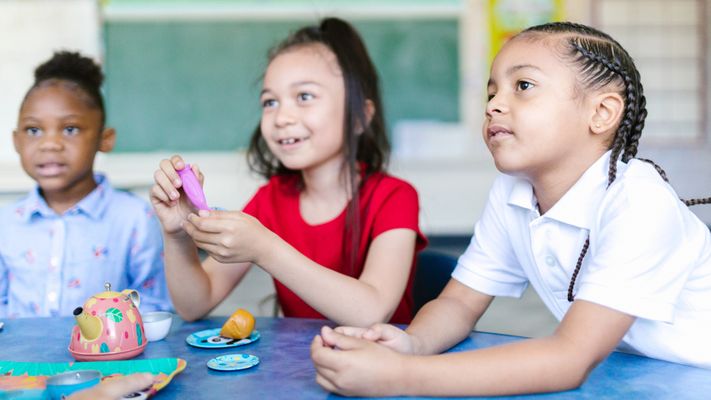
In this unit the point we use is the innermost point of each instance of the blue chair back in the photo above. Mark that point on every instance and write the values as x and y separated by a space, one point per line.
433 271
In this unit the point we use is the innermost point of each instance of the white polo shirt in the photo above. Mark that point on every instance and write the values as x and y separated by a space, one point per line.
649 256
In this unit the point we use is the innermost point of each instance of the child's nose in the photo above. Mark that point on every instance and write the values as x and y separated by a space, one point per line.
495 105
51 141
284 115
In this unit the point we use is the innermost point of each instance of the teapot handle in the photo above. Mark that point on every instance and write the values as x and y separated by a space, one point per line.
133 295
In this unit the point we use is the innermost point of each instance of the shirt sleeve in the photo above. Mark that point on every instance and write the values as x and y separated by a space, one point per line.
145 269
489 265
642 251
399 209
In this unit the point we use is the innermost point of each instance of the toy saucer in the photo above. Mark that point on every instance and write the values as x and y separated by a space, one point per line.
233 362
211 339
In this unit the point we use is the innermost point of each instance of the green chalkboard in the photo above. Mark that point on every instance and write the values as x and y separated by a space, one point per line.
194 85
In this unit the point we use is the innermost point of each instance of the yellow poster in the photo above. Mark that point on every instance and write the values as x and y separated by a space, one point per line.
508 17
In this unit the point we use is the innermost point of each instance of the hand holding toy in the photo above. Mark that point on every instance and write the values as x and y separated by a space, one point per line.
192 188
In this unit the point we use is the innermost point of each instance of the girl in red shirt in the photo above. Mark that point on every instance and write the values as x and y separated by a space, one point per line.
336 232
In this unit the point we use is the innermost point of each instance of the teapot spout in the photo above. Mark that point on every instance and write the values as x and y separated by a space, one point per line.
89 325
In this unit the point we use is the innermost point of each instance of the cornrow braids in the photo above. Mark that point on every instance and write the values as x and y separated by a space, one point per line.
601 61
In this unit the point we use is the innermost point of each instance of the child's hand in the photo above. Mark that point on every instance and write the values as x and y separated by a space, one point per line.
230 236
115 388
385 334
352 366
171 208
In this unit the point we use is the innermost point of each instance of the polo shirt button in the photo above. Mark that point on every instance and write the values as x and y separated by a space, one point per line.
550 260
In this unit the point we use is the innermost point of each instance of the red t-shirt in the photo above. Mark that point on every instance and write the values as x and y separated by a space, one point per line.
386 203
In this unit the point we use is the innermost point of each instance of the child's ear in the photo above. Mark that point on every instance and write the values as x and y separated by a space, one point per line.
107 140
609 107
369 113
15 141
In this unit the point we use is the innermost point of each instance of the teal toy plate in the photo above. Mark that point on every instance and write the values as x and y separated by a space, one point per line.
233 362
211 339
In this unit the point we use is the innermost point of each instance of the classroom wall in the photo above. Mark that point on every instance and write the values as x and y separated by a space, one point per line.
445 160
31 30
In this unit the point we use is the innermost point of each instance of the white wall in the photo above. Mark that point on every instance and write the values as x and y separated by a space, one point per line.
31 30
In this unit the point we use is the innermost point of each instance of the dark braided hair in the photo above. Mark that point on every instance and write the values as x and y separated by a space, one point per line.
601 61
76 70
366 144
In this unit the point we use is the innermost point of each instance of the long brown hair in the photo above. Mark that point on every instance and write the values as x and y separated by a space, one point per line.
365 145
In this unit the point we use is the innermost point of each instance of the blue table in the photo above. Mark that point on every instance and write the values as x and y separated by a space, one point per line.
286 372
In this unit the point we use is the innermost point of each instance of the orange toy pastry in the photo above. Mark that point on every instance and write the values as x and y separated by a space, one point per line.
239 325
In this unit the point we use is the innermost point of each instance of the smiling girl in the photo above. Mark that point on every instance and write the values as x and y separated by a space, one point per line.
337 233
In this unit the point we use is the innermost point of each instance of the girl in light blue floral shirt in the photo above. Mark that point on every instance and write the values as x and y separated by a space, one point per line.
73 232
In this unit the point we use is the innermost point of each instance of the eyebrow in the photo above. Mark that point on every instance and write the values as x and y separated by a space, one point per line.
295 84
513 69
33 118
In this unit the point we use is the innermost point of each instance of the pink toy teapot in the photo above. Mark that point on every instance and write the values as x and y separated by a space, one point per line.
109 327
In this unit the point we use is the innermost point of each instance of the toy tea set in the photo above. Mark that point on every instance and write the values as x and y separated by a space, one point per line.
110 327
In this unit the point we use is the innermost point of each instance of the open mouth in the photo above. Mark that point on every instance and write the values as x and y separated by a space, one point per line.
290 141
51 169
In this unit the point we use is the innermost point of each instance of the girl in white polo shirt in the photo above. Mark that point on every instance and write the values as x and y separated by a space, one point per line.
601 236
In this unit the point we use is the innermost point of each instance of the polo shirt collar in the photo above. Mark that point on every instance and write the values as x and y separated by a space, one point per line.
92 204
577 204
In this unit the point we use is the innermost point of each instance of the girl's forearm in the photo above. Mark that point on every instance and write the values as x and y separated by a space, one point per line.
439 325
448 319
188 283
340 298
530 366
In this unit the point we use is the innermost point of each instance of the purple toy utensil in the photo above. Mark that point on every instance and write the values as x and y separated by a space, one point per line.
192 188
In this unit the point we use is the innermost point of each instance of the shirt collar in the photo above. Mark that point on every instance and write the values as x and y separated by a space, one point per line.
92 204
577 204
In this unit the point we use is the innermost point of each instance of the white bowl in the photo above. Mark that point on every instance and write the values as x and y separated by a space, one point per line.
157 324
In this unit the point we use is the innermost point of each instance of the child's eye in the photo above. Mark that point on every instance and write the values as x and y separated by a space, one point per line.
523 85
490 96
33 131
71 130
304 96
268 103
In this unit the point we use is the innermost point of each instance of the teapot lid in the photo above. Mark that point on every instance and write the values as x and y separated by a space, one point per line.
109 294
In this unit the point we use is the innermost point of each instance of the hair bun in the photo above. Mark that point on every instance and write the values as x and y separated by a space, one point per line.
71 66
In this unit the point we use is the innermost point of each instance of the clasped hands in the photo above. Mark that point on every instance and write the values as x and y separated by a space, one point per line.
362 361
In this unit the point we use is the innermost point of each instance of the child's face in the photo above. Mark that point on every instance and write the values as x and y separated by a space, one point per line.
303 108
58 134
535 122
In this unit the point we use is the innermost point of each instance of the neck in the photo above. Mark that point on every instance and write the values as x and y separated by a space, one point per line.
64 199
327 182
551 186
